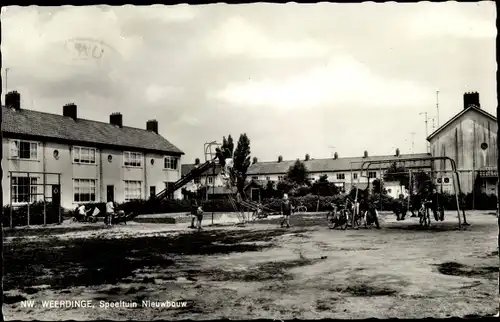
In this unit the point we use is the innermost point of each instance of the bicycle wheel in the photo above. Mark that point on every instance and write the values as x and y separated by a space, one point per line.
345 221
302 209
329 219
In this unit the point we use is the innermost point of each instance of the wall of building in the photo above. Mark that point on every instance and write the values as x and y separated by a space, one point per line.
462 141
105 171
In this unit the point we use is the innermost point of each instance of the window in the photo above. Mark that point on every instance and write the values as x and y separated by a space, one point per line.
389 190
26 150
152 191
84 190
372 174
340 176
268 178
354 175
280 178
24 189
133 190
210 180
170 163
197 180
83 155
255 177
132 159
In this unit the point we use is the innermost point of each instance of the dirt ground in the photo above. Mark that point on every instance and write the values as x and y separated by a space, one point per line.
258 271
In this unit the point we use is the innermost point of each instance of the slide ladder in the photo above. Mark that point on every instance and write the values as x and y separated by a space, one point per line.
241 215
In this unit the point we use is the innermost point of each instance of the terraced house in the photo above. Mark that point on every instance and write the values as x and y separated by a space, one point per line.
48 156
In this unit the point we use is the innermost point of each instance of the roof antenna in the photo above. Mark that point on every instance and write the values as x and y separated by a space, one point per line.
437 107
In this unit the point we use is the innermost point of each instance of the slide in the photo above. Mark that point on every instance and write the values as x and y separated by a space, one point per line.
184 180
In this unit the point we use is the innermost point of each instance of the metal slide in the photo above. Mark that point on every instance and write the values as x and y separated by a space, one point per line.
184 180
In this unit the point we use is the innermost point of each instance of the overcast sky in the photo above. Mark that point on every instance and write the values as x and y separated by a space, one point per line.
296 78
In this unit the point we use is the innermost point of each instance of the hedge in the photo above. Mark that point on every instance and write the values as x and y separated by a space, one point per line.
138 207
20 214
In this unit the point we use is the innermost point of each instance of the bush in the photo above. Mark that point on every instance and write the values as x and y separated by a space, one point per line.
20 214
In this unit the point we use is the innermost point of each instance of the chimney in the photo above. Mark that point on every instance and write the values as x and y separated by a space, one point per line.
397 152
116 119
471 99
196 161
365 154
280 159
69 110
335 156
13 100
152 125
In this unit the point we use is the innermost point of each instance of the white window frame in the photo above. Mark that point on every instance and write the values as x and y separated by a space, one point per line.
77 151
92 185
127 194
372 174
33 187
128 156
196 180
280 178
340 176
255 177
15 146
354 175
268 178
170 163
210 180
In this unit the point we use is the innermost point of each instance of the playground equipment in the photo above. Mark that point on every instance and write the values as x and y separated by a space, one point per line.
456 179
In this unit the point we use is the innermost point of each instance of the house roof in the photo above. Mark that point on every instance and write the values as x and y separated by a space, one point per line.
59 127
329 165
457 116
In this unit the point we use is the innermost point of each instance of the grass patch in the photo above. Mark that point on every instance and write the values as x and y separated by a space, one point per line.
457 269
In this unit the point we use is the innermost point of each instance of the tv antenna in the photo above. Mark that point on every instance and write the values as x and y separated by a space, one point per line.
426 130
332 151
412 141
437 107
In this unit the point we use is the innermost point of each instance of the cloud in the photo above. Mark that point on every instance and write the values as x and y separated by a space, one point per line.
342 81
156 93
446 19
238 37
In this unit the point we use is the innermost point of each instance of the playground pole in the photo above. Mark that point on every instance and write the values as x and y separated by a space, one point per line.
213 191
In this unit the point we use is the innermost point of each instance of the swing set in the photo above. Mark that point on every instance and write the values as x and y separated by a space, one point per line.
456 181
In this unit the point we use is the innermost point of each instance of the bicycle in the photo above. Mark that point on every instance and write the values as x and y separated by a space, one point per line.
301 208
259 214
338 219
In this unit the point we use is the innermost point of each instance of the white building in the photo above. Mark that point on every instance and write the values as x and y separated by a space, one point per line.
87 161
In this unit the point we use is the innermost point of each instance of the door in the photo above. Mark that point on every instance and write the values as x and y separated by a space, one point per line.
110 193
56 194
152 191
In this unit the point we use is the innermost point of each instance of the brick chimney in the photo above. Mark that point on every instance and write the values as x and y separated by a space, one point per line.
471 99
13 100
152 125
335 156
70 110
365 155
116 119
397 152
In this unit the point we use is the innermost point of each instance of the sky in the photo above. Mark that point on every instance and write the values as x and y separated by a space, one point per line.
296 78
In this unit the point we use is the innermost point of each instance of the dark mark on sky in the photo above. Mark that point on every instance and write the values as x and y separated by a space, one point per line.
88 48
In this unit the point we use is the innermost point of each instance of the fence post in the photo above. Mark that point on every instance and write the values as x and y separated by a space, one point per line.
44 201
10 200
29 197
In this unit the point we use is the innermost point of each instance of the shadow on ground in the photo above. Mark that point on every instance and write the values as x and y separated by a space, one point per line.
457 269
83 262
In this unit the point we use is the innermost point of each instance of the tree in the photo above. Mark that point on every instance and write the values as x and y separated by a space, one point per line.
254 160
307 157
280 159
241 162
297 173
399 174
230 144
422 181
322 187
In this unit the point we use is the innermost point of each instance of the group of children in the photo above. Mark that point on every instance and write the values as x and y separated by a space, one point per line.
84 214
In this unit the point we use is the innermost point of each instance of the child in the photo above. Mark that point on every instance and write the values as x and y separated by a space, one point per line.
110 212
194 210
286 211
199 216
